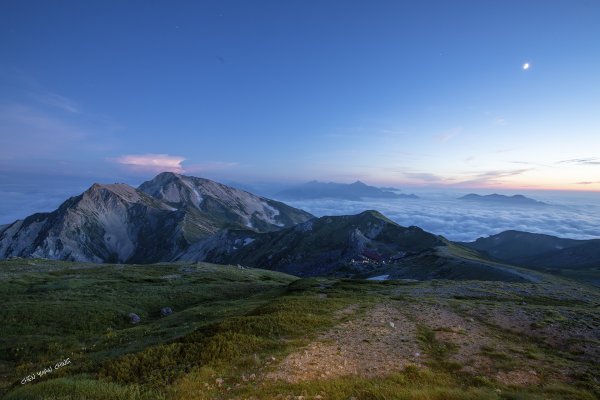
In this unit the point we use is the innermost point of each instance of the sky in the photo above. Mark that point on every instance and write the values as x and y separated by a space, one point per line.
475 94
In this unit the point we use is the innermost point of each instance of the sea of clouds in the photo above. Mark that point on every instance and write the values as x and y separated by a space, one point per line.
18 203
568 215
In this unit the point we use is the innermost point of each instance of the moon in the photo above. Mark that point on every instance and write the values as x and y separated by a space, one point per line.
525 66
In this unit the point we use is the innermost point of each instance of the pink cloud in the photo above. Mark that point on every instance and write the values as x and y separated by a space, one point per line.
151 162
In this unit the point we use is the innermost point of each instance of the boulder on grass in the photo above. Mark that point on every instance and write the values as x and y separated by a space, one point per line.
134 318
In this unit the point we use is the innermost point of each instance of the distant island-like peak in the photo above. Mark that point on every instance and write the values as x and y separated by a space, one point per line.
517 199
345 191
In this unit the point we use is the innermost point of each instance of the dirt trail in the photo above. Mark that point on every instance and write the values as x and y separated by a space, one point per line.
470 340
468 336
384 340
380 342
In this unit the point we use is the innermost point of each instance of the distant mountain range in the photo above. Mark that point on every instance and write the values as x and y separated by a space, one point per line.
352 191
578 259
538 250
517 199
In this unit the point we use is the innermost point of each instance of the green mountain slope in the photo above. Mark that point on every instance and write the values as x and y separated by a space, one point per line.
579 259
363 245
327 245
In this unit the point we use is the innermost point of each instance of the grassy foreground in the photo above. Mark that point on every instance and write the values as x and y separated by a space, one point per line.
250 333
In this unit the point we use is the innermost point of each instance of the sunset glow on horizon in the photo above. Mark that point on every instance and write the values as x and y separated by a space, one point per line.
503 95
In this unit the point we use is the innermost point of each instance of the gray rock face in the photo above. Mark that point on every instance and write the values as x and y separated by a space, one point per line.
223 202
134 318
157 222
218 247
165 311
107 223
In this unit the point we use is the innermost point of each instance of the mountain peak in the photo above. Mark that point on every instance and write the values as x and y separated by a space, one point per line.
356 191
375 214
166 176
168 173
330 245
121 190
118 223
172 188
517 199
222 201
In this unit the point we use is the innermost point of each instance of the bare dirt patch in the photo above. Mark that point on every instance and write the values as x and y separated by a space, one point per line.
562 329
467 336
518 378
381 341
482 350
385 339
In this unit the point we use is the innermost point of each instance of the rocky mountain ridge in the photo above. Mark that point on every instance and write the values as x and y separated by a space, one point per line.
353 246
156 222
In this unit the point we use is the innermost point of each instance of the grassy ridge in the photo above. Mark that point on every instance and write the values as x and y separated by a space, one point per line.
54 310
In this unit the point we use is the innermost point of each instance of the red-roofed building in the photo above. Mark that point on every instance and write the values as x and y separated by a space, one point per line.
373 255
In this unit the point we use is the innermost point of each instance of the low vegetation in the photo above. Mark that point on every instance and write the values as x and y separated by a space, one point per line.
233 330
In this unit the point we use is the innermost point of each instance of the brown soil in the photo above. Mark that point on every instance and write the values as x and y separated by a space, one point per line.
384 340
380 342
576 336
468 336
518 378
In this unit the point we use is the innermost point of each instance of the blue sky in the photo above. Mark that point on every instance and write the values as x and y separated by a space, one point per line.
405 93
